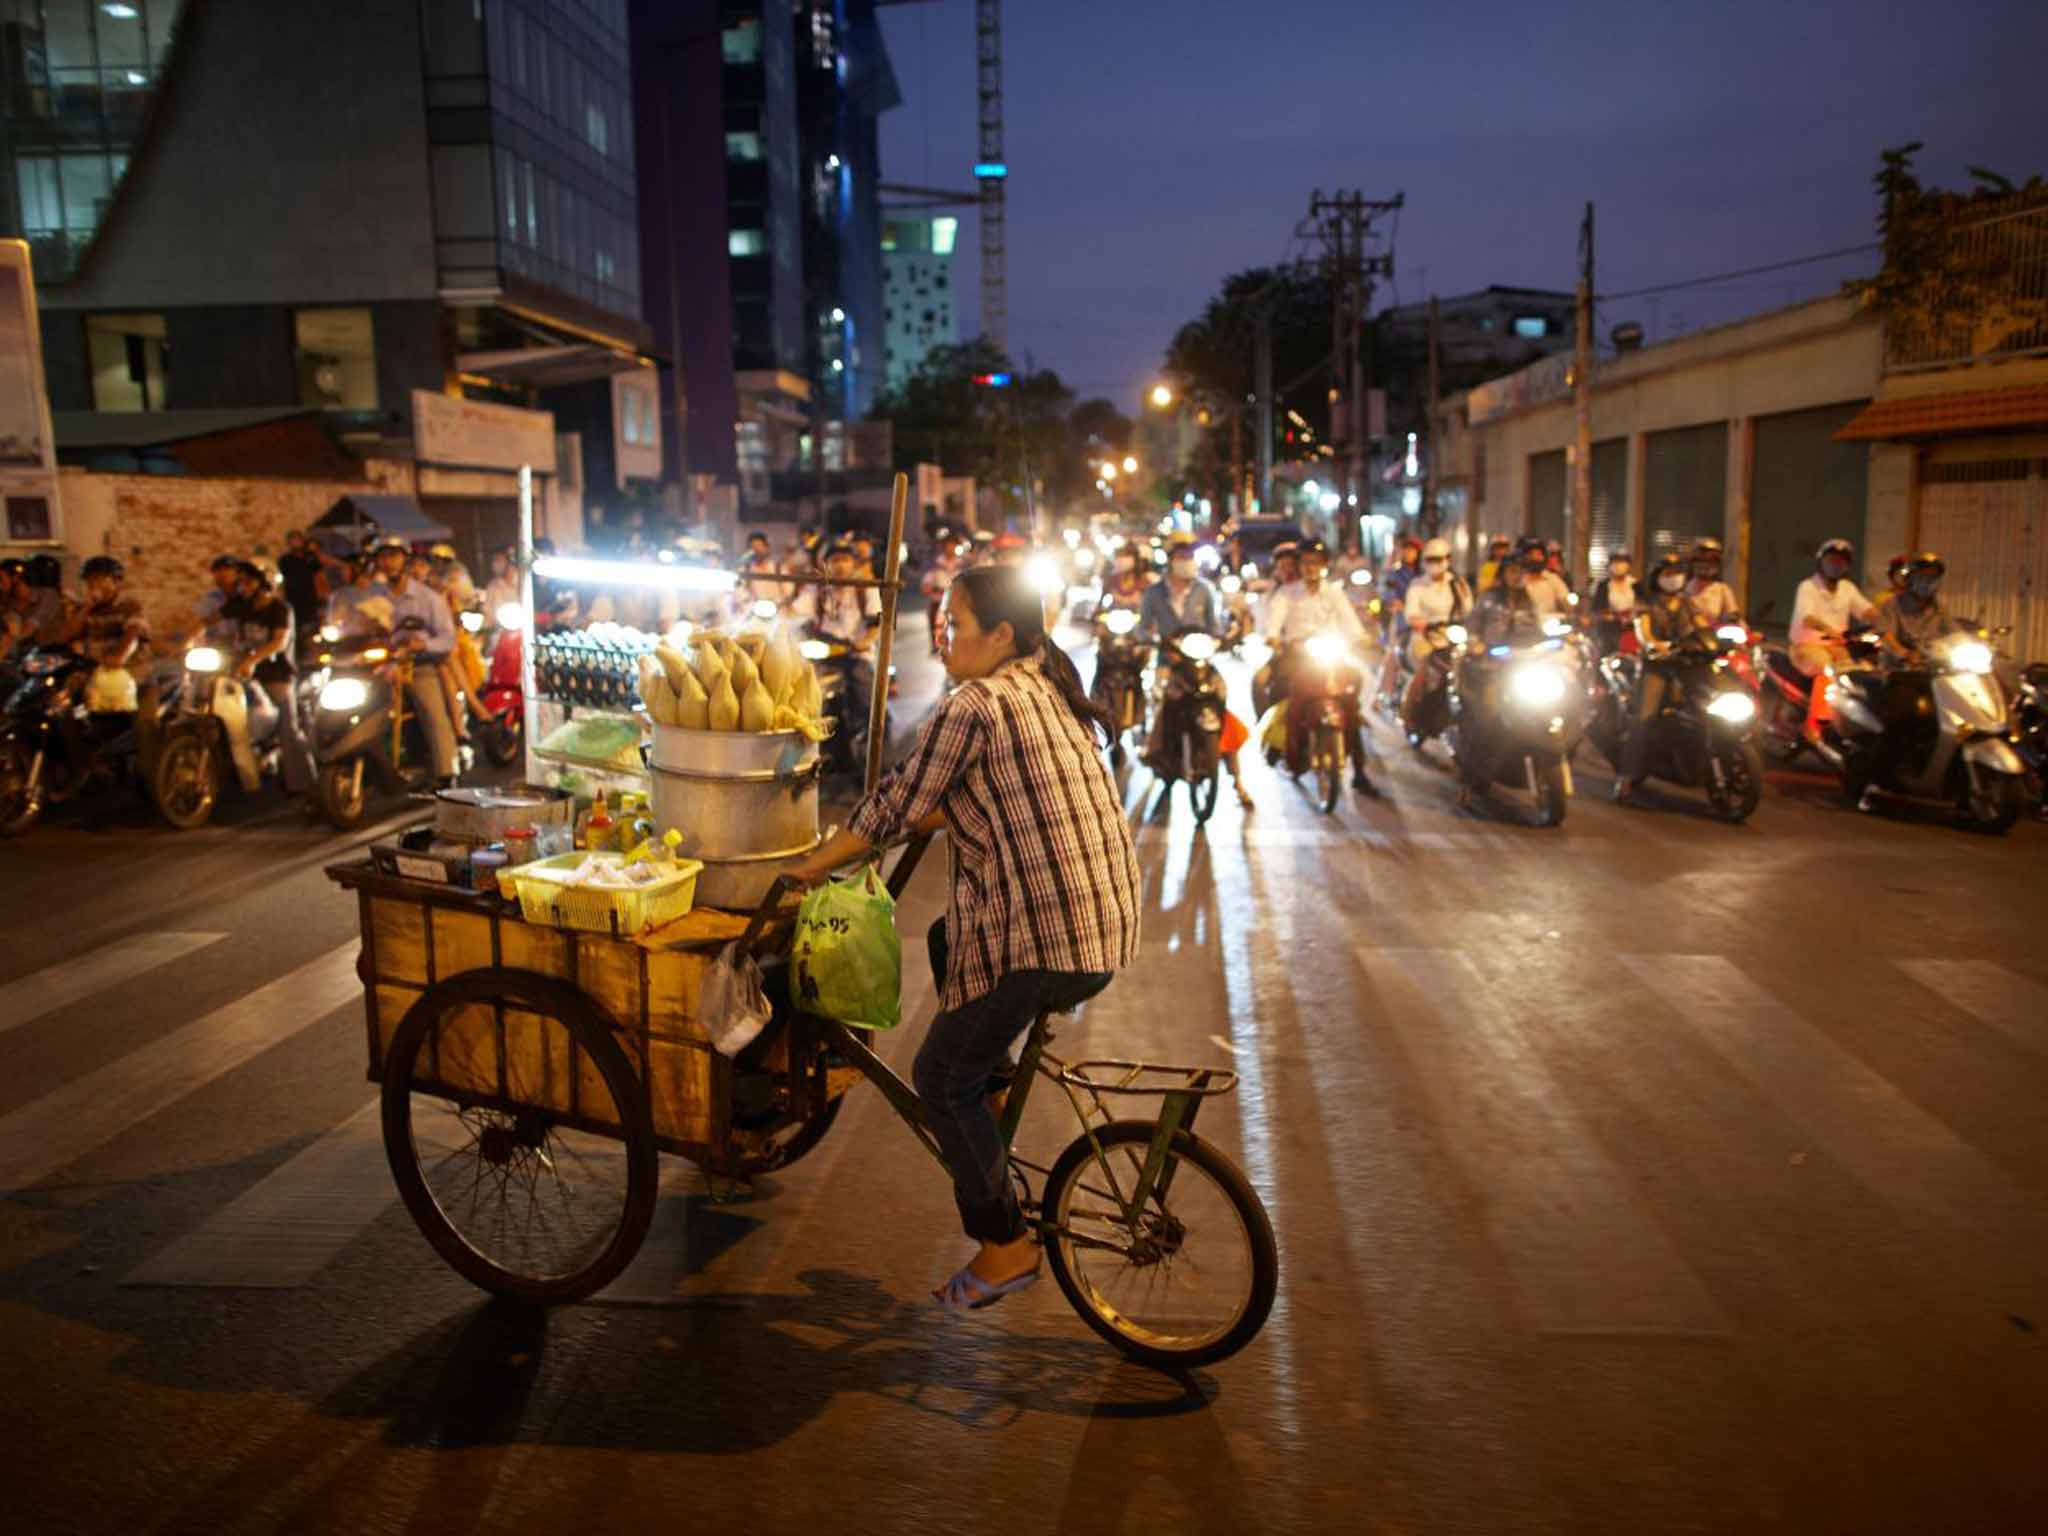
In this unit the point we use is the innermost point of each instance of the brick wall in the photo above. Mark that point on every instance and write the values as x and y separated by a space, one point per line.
167 528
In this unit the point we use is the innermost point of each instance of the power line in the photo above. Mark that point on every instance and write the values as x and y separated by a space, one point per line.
1771 266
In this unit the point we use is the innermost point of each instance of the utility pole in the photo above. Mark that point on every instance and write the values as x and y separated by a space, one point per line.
1343 222
1236 502
1432 518
1262 372
992 171
1580 542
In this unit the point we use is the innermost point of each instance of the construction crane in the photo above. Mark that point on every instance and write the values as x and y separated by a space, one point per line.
991 170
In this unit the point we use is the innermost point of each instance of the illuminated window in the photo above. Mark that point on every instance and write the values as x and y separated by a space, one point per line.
743 146
741 42
336 355
944 232
745 242
1531 325
128 361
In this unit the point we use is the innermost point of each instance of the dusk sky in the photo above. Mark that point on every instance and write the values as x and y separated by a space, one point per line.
1157 147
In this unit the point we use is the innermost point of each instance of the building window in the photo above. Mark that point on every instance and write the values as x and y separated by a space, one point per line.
743 146
532 210
336 354
741 42
1531 326
607 269
822 53
128 357
595 128
746 242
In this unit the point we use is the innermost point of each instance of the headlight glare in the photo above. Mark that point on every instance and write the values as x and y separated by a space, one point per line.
1970 656
1537 684
344 694
202 658
1735 707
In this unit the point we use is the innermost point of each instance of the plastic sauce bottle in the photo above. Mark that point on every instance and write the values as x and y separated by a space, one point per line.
600 831
522 846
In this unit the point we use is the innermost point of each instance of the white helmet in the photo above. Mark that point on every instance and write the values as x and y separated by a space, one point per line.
1437 549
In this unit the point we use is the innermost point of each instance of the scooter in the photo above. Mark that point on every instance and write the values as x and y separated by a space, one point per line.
1705 736
1534 724
364 730
1322 712
2030 731
1186 738
1119 685
1431 716
845 749
216 720
1785 696
52 748
1958 749
504 692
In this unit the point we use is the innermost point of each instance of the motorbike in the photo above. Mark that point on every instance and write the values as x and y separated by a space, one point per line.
1959 747
214 720
43 762
1119 686
1431 716
2030 730
1705 735
1186 738
845 748
1528 734
1322 711
363 728
503 733
1785 695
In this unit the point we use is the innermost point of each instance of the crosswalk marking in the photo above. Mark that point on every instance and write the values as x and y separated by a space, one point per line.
2014 1006
1587 1256
90 1111
1907 1158
30 997
286 1227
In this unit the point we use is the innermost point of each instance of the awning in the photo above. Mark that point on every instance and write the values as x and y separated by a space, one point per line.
549 367
1981 410
399 516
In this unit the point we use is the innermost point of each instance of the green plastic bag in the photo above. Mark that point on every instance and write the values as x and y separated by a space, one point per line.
847 962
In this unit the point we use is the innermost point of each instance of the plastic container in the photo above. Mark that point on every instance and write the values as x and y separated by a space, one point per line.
545 901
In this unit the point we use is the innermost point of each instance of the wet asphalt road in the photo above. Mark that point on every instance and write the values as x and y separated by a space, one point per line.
1645 1174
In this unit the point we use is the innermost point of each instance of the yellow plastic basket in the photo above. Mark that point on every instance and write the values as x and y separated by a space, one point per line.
544 900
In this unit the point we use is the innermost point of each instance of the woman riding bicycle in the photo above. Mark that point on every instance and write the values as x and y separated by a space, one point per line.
1043 901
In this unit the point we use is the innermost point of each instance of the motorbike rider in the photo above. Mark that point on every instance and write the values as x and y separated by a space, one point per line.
264 623
1438 596
1127 582
26 609
1296 614
1909 625
1544 587
108 628
1394 584
422 625
1187 601
1614 600
225 573
1666 616
1506 613
1895 575
1498 548
851 615
1708 593
1826 604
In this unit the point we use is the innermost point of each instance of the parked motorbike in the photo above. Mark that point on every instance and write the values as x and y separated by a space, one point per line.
1705 736
2030 730
52 748
1522 731
1119 685
1958 747
1186 737
1322 711
216 720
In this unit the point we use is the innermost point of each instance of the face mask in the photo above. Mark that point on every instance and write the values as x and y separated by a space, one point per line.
1181 568
1834 570
1436 567
1671 581
1924 587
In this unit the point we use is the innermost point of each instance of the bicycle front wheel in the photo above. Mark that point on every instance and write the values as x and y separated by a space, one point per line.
1189 1279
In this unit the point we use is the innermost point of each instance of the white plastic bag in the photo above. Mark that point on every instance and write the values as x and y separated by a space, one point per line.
733 1006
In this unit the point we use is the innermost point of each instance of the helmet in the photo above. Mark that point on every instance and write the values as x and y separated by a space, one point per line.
1499 545
1895 569
1706 557
388 542
443 551
252 571
1437 549
1924 572
1314 547
1532 552
1672 562
1286 549
1619 554
13 566
45 571
840 547
1840 548
1409 541
1180 542
102 565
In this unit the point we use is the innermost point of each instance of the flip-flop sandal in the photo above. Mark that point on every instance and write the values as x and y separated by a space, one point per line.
968 1292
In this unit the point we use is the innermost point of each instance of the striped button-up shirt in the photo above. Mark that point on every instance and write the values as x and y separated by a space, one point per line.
1044 876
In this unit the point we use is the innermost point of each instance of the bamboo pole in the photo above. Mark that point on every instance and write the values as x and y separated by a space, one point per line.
878 706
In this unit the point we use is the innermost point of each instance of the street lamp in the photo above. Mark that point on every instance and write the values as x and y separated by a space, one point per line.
1162 396
1130 465
1109 471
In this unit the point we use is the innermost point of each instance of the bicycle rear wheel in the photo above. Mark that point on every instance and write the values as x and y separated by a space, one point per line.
1190 1280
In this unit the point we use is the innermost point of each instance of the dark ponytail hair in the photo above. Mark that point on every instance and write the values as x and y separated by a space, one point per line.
1003 594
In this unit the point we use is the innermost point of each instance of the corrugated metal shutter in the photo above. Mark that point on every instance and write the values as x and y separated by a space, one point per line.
1806 488
1548 490
1610 500
1990 522
1685 487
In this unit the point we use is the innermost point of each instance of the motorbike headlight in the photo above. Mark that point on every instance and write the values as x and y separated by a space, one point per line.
1120 621
344 694
765 609
330 633
1555 627
1198 647
1231 585
1736 707
1084 559
1538 685
813 650
202 658
473 621
1327 648
1361 577
1456 634
1043 572
1734 634
375 654
1970 656
511 616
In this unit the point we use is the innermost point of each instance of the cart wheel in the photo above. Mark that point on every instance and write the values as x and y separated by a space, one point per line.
1192 1279
517 1199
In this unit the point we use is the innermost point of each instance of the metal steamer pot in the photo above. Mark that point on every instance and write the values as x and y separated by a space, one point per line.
746 803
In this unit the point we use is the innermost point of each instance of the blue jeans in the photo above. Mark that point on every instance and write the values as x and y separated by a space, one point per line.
964 1057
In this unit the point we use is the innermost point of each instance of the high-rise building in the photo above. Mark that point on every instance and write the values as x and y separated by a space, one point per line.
917 292
258 204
